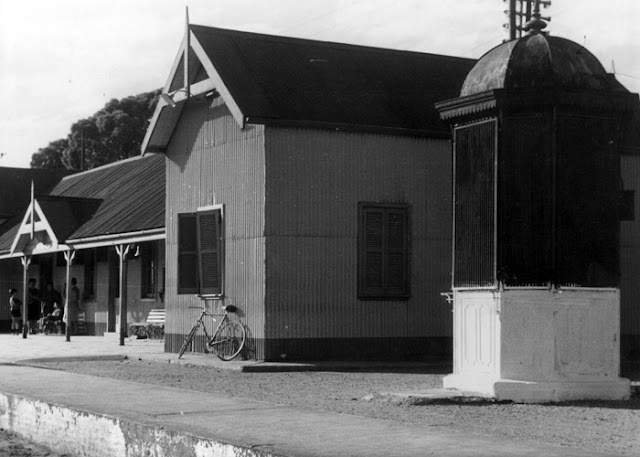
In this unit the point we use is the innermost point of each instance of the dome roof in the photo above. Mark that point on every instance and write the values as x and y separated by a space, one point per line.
538 61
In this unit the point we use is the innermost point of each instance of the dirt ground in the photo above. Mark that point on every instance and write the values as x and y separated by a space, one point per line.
606 426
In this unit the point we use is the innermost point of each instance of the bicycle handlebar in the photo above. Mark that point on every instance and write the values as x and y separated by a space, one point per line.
227 308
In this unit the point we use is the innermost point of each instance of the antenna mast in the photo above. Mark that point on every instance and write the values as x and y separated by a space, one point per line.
520 12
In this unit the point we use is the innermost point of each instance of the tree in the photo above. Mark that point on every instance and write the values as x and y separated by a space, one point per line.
111 134
50 156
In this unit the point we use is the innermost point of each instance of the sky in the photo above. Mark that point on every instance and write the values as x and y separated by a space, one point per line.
63 60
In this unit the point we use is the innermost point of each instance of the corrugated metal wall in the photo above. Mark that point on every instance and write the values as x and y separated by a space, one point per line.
211 160
630 252
315 180
525 202
475 206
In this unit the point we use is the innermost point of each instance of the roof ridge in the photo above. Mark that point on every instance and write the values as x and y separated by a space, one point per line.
109 165
331 44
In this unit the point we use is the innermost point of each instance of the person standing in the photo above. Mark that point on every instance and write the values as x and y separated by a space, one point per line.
15 306
73 306
49 298
33 306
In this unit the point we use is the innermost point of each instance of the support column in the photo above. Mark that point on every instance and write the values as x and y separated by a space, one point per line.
26 261
122 251
68 256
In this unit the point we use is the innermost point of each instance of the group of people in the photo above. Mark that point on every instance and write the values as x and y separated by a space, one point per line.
45 307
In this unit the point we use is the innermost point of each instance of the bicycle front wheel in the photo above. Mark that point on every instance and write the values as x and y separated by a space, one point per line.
188 339
229 340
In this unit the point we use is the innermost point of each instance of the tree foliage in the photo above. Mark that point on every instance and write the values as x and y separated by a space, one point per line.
113 133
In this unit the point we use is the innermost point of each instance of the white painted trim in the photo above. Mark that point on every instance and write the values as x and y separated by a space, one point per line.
213 207
41 226
161 103
590 289
121 238
217 81
476 288
81 246
175 66
97 242
213 83
152 126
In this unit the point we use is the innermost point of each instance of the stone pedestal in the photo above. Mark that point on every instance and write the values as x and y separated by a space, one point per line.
538 345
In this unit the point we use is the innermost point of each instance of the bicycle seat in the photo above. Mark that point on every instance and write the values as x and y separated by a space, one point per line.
230 309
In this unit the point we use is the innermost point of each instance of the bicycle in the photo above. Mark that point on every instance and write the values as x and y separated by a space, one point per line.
228 339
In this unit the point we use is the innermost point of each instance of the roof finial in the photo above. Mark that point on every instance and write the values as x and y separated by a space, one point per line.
536 24
187 37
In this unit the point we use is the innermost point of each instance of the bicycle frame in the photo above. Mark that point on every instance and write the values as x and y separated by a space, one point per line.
201 323
228 338
210 340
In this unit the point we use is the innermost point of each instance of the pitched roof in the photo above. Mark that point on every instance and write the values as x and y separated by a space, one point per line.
15 188
125 197
292 81
132 193
54 219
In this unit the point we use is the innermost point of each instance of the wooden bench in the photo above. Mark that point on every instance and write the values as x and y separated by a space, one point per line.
152 328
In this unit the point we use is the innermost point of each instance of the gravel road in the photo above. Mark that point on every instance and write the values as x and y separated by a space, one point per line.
598 425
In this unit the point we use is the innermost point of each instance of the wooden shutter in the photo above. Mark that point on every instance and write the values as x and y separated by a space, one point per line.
396 252
210 252
187 254
383 256
374 250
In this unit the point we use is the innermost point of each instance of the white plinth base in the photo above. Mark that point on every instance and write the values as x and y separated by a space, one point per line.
538 345
540 391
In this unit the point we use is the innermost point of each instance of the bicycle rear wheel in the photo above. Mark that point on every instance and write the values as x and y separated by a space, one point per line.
229 340
188 339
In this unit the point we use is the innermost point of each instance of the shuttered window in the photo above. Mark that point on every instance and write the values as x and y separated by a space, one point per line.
383 245
200 253
210 252
187 254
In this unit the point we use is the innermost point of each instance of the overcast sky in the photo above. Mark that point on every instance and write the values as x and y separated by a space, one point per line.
62 60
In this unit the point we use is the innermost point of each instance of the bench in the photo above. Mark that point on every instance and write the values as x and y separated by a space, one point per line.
152 328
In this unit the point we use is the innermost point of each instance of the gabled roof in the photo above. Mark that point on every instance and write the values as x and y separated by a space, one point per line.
122 200
50 220
15 185
268 79
132 193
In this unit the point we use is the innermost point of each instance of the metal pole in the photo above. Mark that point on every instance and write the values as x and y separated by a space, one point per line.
68 256
187 86
122 251
26 260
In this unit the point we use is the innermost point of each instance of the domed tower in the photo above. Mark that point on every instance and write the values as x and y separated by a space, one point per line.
536 228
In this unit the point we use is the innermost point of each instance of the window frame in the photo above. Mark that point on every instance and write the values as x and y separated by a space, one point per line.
195 218
220 250
385 291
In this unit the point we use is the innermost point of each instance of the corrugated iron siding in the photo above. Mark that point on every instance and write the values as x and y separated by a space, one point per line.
211 160
315 179
630 252
475 186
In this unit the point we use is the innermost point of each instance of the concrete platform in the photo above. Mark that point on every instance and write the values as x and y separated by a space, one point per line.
91 416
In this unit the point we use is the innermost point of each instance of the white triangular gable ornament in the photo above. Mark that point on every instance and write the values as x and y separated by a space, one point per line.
33 223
